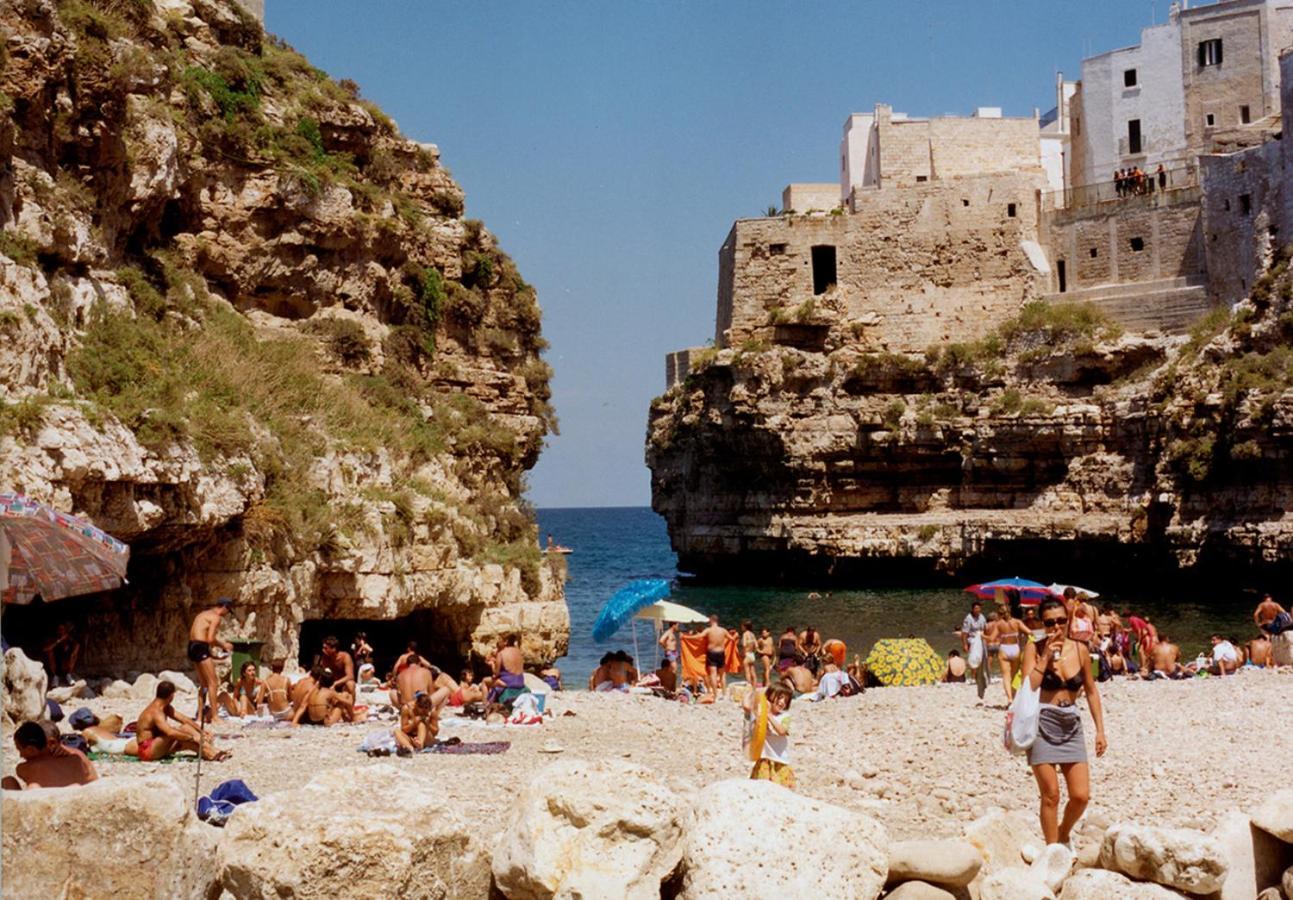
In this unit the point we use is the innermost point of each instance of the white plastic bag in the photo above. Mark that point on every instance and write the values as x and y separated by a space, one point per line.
975 658
1021 718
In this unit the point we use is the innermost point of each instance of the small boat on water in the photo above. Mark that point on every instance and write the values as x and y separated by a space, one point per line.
554 547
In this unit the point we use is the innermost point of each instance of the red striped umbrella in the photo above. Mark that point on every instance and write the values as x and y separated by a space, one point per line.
53 554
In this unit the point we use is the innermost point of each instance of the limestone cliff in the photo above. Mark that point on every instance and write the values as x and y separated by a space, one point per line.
1051 444
247 330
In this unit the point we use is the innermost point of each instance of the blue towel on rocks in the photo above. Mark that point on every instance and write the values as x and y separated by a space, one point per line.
222 801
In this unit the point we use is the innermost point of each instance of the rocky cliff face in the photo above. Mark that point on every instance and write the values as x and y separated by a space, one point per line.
247 330
1052 443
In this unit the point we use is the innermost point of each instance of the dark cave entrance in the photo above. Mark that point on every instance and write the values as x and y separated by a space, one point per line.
436 638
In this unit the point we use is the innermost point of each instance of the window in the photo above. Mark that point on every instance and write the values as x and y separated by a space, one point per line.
1137 244
1210 52
965 202
1059 270
1244 116
1094 252
1227 206
1129 78
1010 210
1245 204
920 178
1209 120
1077 126
776 249
823 268
1133 136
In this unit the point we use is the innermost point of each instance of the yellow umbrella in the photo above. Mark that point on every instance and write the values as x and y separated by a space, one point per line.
905 661
664 611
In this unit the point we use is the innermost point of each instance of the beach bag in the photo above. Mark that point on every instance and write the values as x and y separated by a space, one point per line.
1021 719
975 659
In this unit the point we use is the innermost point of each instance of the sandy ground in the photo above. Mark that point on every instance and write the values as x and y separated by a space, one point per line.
927 760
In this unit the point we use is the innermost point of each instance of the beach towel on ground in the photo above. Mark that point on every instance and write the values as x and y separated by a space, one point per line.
378 740
693 657
216 808
485 748
525 711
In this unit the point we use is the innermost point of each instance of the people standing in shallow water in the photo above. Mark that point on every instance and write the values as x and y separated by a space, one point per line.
1061 669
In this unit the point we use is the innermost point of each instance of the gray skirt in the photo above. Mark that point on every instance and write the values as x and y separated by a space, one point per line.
1059 737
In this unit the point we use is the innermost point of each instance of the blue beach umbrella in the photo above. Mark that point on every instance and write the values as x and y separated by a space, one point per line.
1030 592
624 603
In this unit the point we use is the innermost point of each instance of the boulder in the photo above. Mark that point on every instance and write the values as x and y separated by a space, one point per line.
918 890
580 826
1287 882
124 837
1101 884
949 862
183 684
1000 836
373 829
812 847
1182 858
1275 815
25 684
118 690
1282 650
1053 865
1254 859
145 686
69 692
1014 884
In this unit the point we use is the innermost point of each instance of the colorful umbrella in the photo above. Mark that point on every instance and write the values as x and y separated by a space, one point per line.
624 603
1030 592
904 662
664 611
53 554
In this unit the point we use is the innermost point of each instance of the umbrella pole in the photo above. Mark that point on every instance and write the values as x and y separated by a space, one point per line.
202 724
637 660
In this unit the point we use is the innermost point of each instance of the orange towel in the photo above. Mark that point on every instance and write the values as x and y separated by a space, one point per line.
692 647
837 650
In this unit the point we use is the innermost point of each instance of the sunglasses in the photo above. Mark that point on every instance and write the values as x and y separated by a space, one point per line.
1051 622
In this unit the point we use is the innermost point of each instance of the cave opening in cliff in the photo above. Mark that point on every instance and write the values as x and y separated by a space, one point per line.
435 634
823 256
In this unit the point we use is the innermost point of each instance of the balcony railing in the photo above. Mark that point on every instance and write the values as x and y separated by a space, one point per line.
1152 185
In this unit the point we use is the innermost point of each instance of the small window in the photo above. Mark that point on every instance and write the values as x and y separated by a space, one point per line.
920 178
1245 204
776 249
1244 115
1209 120
1227 205
1210 52
1010 210
1137 244
823 268
965 202
1077 126
1094 252
1129 78
1133 136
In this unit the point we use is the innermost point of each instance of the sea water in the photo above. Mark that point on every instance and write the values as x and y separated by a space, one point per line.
613 546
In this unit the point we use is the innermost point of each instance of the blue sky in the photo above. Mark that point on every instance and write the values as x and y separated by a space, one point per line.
611 145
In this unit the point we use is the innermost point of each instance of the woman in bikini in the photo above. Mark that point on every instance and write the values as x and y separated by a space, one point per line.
242 699
788 652
765 651
276 691
1061 669
1011 635
748 644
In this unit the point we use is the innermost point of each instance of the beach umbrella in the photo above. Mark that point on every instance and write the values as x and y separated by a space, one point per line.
1030 592
664 611
47 552
1059 589
900 662
624 603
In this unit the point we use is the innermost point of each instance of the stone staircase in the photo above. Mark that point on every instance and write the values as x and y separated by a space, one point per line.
1169 305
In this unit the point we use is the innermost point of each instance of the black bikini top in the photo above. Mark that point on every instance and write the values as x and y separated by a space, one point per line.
1051 681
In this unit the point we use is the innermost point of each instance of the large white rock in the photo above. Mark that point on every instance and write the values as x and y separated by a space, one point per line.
1287 882
1101 884
372 831
118 690
1053 865
919 890
1000 836
123 837
183 684
1177 857
949 862
1014 884
757 839
1282 650
580 828
1275 815
145 686
1254 859
25 684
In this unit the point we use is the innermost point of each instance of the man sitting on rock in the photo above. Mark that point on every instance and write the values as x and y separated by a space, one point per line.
46 762
157 738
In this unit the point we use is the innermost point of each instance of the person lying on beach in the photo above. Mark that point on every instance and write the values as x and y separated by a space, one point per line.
45 761
276 691
1259 651
833 681
465 690
241 699
419 725
103 736
324 706
157 738
955 671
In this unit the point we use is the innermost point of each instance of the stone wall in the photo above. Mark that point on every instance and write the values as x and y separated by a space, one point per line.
804 198
1095 242
952 147
915 266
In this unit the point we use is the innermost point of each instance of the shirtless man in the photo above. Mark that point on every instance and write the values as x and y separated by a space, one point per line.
277 692
669 642
715 656
45 761
202 637
416 678
1165 660
341 663
302 689
603 670
419 725
1259 651
324 706
810 644
749 641
766 650
157 738
801 679
409 656
1272 618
